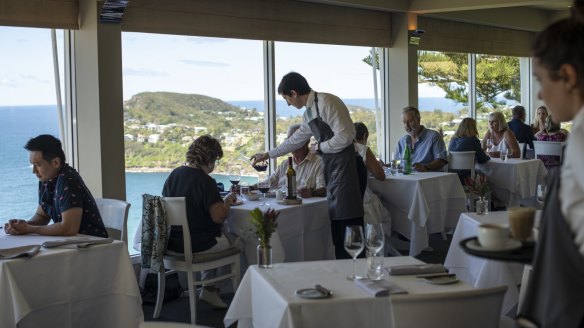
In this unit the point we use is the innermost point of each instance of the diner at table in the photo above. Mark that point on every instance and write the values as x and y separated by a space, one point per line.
499 138
523 132
428 151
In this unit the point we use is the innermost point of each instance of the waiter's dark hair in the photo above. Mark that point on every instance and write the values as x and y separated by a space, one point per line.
563 43
48 145
293 81
361 131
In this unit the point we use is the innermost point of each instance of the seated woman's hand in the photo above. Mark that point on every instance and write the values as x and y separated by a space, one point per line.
230 198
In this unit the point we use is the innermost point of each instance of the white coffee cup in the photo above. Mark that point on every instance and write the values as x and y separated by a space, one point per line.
493 237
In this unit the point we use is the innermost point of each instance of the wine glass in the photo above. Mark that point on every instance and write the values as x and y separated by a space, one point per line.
374 237
234 176
264 187
354 245
261 166
395 161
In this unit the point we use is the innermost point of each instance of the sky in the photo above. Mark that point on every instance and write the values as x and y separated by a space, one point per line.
227 69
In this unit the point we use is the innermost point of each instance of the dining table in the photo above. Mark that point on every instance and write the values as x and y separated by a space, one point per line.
513 179
303 232
268 297
481 272
68 286
420 204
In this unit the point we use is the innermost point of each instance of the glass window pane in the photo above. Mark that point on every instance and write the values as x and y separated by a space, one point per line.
340 70
177 88
443 90
27 108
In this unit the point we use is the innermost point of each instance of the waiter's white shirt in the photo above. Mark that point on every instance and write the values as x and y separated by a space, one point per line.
308 173
333 112
572 181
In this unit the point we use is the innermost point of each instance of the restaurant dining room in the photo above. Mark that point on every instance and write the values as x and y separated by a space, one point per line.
291 163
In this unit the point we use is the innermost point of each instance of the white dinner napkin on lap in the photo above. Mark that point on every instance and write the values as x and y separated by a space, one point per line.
379 288
400 270
21 251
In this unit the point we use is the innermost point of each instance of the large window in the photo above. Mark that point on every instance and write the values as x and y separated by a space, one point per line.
177 88
27 108
444 97
341 70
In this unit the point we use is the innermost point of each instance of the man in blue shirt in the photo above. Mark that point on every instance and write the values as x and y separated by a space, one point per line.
427 147
522 131
63 196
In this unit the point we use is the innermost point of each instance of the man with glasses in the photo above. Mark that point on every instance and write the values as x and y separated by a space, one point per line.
427 148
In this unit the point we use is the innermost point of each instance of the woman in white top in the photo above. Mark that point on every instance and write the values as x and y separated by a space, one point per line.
500 139
374 210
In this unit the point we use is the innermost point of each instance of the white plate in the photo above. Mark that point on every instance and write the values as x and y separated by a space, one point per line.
511 245
441 280
311 293
237 203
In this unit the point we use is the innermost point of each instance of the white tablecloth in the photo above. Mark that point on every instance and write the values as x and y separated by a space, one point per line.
480 272
68 287
513 179
421 204
266 297
303 230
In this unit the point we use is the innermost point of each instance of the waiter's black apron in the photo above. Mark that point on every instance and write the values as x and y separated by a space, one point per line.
555 293
340 174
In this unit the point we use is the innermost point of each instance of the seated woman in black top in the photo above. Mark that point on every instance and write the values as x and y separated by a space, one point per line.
206 211
466 138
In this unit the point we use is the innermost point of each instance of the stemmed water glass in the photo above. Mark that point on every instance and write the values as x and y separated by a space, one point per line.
263 186
395 160
354 245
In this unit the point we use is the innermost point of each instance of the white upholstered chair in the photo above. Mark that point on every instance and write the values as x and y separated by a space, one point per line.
462 160
477 308
114 213
162 324
176 215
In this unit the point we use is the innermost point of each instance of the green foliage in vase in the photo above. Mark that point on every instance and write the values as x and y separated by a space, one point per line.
265 224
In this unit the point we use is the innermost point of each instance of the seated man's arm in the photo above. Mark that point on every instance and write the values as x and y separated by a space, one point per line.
439 153
69 225
435 165
39 218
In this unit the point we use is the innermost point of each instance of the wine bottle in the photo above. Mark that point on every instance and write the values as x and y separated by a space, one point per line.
291 180
407 160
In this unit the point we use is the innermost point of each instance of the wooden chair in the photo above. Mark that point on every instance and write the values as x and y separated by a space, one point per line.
176 215
114 213
478 308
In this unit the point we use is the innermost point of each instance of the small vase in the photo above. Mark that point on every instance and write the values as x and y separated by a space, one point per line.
482 206
264 256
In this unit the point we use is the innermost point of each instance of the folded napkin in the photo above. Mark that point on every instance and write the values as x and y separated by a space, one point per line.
80 242
21 251
379 288
415 269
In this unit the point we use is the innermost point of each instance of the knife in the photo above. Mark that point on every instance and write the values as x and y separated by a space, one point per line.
323 290
436 275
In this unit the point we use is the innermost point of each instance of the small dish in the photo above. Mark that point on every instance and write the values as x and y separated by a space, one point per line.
511 245
237 202
312 293
444 280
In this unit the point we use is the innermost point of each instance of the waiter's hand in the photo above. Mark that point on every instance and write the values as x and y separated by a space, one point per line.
314 148
259 157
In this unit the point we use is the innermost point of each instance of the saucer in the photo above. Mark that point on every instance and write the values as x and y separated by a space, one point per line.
444 280
511 245
311 293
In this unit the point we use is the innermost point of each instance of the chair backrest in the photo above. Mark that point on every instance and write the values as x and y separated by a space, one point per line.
176 215
521 149
554 148
462 160
114 213
478 308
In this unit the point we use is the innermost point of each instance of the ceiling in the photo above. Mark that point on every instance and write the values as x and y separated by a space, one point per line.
529 15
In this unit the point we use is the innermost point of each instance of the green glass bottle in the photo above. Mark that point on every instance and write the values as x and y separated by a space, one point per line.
407 160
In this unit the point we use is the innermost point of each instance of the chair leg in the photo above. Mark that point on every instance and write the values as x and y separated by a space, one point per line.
192 298
235 271
160 294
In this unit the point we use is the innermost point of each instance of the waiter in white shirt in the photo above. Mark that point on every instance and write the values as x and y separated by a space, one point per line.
327 119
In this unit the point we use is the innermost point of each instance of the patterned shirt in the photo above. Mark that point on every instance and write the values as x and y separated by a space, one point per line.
429 147
67 190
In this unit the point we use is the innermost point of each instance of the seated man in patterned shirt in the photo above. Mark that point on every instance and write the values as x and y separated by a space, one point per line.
309 171
63 196
427 147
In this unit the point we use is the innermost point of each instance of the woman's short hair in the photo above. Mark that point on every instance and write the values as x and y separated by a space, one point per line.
467 128
360 131
550 125
500 118
204 150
